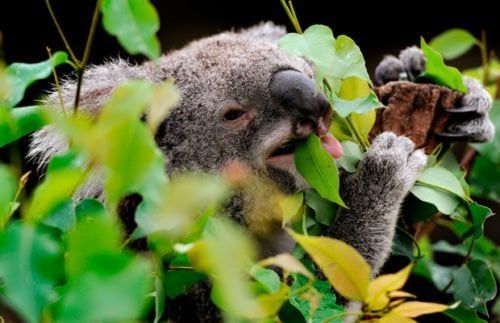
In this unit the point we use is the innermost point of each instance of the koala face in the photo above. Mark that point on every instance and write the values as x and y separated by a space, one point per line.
242 100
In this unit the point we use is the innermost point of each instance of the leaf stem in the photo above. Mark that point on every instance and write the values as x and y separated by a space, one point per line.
86 54
290 12
356 134
58 87
61 33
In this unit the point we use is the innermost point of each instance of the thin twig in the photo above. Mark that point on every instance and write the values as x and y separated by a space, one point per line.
58 87
296 19
61 33
86 54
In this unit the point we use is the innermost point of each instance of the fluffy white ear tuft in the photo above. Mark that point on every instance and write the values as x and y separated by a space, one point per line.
267 31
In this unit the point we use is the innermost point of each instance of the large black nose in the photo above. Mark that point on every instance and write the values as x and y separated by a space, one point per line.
299 95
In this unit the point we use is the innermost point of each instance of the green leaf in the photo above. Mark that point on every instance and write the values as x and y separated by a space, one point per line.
159 295
441 178
453 43
462 314
64 174
361 105
224 255
112 288
436 70
173 214
267 278
104 235
443 201
485 178
474 285
403 244
20 122
7 194
179 281
90 208
321 294
292 206
325 211
62 216
134 23
31 267
21 75
352 155
479 214
335 59
319 169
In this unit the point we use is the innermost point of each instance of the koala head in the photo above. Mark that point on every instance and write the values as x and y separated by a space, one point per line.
243 99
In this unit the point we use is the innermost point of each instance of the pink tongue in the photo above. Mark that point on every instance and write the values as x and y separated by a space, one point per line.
332 145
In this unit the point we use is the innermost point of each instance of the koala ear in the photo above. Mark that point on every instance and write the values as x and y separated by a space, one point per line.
266 31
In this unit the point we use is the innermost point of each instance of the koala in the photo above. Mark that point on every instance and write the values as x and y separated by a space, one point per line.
245 100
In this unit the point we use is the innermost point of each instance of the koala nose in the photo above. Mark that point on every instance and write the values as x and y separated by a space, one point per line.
299 95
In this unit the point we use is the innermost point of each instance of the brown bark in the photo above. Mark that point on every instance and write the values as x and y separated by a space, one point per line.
417 111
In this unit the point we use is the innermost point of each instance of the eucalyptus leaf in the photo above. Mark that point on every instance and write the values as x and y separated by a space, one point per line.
318 304
105 236
474 285
325 211
32 266
441 178
360 105
62 216
352 155
21 75
462 314
479 214
318 168
443 201
20 122
335 59
134 23
112 288
7 193
453 43
436 70
64 174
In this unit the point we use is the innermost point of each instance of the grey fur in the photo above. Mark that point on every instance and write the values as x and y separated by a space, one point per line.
230 68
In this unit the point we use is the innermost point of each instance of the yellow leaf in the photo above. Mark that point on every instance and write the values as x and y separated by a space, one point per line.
165 97
270 304
414 309
364 122
392 317
353 88
401 294
346 270
379 288
340 129
291 206
288 263
196 255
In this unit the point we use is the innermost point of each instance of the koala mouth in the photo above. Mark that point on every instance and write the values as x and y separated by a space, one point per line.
286 148
282 155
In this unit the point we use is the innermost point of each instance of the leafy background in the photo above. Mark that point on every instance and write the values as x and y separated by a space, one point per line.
199 19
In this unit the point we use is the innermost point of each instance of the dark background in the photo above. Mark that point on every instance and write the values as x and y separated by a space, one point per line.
27 28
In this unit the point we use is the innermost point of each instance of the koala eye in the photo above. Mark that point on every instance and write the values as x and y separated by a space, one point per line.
233 114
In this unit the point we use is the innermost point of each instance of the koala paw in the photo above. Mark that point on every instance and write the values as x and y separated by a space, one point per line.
411 63
391 165
470 121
